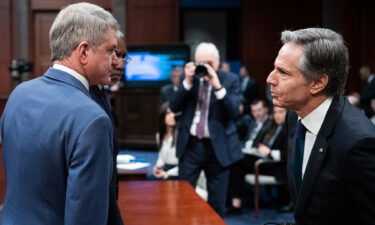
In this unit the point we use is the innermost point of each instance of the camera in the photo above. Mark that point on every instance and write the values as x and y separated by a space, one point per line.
201 69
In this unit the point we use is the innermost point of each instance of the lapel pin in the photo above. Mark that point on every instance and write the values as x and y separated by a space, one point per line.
321 150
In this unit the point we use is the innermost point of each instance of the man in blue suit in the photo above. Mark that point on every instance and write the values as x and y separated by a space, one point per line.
57 141
331 144
207 138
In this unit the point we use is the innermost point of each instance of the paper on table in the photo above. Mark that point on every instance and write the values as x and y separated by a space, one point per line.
124 158
132 166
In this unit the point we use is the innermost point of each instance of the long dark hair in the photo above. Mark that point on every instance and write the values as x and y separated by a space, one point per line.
163 110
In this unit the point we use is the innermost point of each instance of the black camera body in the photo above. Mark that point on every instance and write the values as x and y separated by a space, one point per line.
201 69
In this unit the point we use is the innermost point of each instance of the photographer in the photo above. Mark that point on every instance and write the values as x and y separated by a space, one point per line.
209 101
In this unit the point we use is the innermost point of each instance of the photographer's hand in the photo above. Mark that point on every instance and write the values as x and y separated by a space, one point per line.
212 78
189 72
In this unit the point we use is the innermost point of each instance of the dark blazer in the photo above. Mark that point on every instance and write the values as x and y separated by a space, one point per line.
114 215
250 93
263 131
367 95
222 114
339 181
57 153
166 93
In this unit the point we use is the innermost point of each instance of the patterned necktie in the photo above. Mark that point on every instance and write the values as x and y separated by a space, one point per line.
298 157
202 104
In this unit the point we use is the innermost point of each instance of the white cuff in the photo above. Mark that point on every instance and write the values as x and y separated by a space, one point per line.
186 85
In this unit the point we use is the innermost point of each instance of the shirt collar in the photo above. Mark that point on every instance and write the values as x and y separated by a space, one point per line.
314 120
370 78
74 73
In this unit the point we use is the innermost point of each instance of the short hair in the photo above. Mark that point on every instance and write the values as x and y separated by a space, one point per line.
207 46
257 101
76 23
324 53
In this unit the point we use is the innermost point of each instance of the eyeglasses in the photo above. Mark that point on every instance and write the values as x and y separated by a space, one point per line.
122 57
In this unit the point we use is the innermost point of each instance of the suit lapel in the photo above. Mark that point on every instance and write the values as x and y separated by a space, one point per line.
317 155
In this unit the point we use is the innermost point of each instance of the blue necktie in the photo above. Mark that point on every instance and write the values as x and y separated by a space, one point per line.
298 157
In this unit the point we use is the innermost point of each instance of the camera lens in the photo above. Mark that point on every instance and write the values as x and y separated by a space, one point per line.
200 69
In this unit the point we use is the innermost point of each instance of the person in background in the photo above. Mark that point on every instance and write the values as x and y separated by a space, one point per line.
372 107
167 91
249 89
101 96
354 98
207 139
368 92
251 135
57 142
331 144
167 163
225 66
118 71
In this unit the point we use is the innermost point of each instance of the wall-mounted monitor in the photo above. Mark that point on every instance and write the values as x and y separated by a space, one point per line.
151 65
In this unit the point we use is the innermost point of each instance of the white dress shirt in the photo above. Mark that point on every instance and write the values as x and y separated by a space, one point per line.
74 73
219 95
167 155
313 122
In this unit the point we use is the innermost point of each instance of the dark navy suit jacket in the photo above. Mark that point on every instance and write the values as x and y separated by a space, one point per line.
114 215
338 186
222 114
57 154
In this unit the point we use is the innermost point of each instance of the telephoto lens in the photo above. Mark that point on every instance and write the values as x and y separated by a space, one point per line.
201 69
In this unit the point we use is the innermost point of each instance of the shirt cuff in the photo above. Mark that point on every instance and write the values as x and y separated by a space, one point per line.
220 93
186 85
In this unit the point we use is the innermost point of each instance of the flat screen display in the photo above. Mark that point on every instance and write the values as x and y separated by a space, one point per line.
151 65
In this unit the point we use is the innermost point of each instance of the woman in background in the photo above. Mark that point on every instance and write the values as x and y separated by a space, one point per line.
166 164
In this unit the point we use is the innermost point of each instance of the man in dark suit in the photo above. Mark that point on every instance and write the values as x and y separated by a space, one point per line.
249 89
168 90
368 92
331 144
254 132
207 138
57 142
101 96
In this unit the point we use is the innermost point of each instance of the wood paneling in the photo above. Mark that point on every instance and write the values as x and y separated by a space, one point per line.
57 4
137 111
43 22
5 53
152 22
262 23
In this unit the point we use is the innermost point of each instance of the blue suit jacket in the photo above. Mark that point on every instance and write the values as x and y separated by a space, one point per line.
57 154
338 186
222 114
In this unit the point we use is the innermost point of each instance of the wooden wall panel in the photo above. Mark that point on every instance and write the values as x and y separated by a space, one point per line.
350 27
42 53
152 22
5 53
137 111
262 23
57 4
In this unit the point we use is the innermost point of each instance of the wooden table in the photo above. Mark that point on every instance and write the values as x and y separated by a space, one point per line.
164 203
127 175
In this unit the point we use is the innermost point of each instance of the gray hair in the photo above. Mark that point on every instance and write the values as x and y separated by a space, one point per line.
324 53
76 23
207 46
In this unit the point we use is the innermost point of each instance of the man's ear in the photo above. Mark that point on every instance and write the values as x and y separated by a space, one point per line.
83 52
319 84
